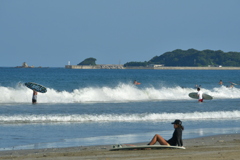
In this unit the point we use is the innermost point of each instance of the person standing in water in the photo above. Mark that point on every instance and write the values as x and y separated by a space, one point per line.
220 82
34 97
200 95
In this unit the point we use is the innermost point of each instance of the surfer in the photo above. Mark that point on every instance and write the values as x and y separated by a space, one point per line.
34 97
197 86
200 95
231 86
176 139
220 82
136 82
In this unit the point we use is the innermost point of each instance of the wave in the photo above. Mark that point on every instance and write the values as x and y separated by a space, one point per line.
85 118
119 93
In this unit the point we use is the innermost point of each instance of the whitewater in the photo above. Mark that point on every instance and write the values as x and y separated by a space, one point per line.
94 107
119 93
119 118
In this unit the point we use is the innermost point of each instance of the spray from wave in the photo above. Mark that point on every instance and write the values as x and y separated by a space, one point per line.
119 93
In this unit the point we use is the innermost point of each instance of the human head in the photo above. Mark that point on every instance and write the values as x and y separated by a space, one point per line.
177 121
178 124
198 89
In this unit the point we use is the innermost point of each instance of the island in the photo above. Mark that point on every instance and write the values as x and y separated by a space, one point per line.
177 59
25 65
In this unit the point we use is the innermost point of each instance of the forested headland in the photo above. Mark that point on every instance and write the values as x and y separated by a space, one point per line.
193 57
88 61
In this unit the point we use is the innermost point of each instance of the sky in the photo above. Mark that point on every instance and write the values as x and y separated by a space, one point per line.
50 33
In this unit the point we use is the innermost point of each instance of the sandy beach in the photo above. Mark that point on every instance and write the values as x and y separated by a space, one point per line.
214 147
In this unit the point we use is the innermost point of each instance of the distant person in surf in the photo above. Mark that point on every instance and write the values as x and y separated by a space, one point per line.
176 139
136 82
34 97
220 82
197 86
232 85
200 95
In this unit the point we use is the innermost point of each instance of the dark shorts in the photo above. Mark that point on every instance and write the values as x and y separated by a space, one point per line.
34 101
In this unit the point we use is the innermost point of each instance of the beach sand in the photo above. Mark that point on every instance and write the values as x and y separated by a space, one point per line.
220 147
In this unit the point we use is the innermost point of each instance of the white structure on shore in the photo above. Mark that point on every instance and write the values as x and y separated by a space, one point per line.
100 66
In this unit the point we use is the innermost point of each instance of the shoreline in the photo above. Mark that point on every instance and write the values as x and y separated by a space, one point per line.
224 146
113 67
148 68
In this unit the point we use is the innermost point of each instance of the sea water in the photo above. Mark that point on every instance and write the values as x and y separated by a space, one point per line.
104 107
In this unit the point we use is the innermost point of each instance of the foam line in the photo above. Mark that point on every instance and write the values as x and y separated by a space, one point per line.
84 118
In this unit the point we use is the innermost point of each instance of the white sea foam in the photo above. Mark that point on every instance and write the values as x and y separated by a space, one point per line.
84 118
119 93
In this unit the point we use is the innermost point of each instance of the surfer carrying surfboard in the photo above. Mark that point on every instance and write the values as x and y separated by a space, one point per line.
200 95
36 88
176 139
34 97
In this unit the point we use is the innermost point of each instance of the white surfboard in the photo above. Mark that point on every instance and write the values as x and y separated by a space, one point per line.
120 147
233 83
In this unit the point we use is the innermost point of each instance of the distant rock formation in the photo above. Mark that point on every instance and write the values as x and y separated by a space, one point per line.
25 65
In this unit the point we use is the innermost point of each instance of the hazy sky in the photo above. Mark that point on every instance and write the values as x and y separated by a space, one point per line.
50 33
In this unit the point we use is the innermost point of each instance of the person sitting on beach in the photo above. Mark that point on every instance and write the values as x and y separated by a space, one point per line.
176 139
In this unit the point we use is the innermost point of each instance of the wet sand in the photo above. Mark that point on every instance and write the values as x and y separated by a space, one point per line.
220 147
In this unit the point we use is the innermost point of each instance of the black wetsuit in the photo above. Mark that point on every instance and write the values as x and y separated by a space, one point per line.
176 139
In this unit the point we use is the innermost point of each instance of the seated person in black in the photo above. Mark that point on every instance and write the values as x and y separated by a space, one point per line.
176 139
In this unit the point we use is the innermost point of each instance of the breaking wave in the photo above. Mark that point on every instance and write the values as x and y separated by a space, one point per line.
119 93
85 118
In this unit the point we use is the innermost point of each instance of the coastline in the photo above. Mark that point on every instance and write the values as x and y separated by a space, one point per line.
149 68
129 68
212 147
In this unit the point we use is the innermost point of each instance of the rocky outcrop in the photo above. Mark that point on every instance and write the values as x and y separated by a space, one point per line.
25 65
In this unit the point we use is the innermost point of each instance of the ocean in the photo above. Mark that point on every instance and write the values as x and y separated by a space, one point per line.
104 107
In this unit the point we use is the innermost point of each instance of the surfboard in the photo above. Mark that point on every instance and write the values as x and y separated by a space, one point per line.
233 83
36 87
140 147
194 95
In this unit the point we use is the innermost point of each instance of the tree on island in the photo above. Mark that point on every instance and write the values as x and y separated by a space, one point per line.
136 64
193 57
88 61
